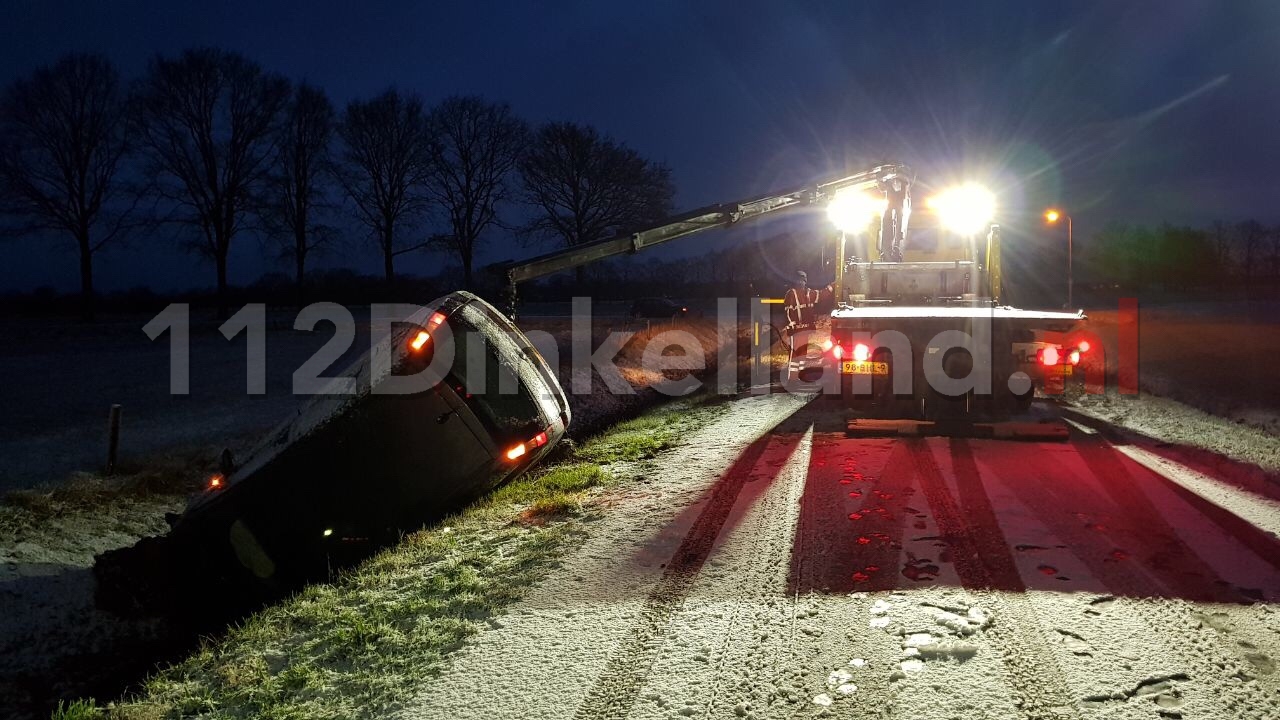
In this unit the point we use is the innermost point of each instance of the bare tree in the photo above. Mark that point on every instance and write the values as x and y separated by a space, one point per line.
1250 235
62 139
587 187
1220 235
475 147
385 160
298 193
207 120
1273 256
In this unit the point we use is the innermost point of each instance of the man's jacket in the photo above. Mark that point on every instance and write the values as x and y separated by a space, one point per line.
802 308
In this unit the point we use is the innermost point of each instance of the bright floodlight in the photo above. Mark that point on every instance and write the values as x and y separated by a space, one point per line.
852 211
966 210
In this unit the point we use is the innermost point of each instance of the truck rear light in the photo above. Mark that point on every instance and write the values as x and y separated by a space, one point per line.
1084 346
837 352
1074 357
1048 356
827 345
420 339
861 352
517 451
436 319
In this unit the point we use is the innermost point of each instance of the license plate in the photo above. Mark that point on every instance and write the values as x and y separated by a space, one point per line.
1066 369
853 367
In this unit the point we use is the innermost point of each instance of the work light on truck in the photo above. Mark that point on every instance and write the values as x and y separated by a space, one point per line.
851 211
965 210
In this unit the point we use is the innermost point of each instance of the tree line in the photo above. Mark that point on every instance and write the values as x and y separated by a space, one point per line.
1244 254
212 141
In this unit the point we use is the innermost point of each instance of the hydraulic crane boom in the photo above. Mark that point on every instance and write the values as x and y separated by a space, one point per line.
880 177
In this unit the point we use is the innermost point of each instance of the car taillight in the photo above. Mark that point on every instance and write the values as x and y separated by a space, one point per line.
1048 356
1084 346
861 352
435 319
215 482
1074 357
837 352
420 339
522 449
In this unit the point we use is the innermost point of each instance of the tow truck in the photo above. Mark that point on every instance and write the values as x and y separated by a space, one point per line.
920 327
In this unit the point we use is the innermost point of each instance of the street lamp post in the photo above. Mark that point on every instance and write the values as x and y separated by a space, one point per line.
1052 216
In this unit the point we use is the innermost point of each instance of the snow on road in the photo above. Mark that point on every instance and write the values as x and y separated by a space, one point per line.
772 567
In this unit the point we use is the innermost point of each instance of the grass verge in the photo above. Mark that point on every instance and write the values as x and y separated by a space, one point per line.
362 644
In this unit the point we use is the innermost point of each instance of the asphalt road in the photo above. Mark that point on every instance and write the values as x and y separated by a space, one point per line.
773 567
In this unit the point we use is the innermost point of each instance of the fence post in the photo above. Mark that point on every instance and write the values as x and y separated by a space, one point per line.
113 437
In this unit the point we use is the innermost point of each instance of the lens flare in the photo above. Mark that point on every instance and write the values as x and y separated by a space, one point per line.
965 210
852 211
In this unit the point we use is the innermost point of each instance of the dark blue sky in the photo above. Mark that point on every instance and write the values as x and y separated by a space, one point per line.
1140 111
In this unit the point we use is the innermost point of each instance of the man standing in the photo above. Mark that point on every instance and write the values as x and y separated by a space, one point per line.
801 303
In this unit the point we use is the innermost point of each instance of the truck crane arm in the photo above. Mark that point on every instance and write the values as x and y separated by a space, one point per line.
705 218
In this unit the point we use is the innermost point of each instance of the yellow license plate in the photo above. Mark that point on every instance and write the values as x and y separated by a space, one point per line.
1066 369
853 367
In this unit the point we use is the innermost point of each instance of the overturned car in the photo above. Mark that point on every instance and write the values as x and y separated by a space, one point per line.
455 403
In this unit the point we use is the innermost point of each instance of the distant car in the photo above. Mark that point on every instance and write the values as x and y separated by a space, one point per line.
349 471
656 307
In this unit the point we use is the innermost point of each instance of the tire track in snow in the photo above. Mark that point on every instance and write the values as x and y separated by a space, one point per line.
849 535
615 690
854 517
540 658
1231 679
750 659
982 558
1122 487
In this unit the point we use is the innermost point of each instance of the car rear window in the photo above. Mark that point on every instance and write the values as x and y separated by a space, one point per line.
487 364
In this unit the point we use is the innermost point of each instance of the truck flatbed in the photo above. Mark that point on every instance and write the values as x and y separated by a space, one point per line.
1041 319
